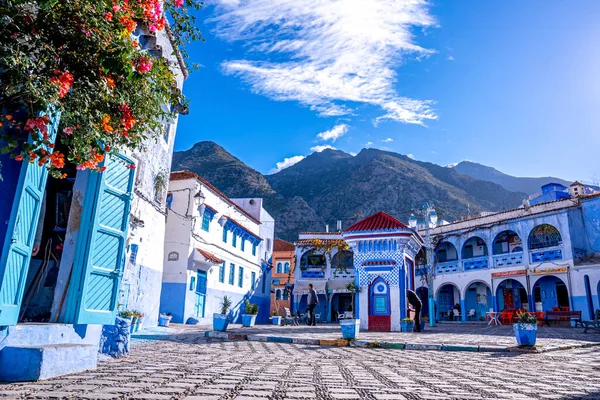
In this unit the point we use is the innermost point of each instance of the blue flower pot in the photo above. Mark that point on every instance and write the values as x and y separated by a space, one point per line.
220 322
276 320
422 326
248 320
525 334
350 328
407 326
164 320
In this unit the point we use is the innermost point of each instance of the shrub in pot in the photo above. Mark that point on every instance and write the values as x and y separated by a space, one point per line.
351 326
164 319
407 325
276 318
249 318
525 329
221 320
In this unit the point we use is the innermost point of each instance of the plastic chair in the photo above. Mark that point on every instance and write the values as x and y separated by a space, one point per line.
506 318
471 313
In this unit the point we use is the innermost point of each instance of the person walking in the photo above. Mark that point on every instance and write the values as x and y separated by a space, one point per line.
415 301
313 301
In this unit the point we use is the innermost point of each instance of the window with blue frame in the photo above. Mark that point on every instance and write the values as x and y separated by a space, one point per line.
234 240
222 273
253 279
286 269
224 235
241 276
253 249
231 274
205 221
193 283
243 243
279 268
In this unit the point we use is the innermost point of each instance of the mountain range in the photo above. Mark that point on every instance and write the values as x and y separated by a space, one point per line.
333 185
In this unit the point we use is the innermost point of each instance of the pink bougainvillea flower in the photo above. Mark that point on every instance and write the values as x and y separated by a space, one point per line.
144 64
108 16
178 3
116 8
68 130
19 158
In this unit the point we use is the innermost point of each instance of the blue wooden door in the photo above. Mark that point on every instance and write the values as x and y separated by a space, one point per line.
100 252
20 234
200 294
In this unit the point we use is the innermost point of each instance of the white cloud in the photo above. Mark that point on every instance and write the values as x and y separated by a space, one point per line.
435 153
368 144
450 58
328 54
388 140
353 154
320 148
287 162
334 133
409 155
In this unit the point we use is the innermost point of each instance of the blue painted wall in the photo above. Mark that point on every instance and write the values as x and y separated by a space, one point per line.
172 298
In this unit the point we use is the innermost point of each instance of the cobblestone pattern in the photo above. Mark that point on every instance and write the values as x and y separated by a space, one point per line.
449 334
194 368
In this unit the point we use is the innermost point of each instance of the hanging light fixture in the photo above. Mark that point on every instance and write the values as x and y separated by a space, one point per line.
412 221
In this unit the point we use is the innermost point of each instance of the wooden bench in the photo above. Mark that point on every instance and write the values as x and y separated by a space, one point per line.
562 316
595 324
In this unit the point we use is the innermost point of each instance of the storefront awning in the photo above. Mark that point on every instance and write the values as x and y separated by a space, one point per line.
338 286
301 287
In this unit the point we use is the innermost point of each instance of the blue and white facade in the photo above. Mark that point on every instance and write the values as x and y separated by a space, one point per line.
105 218
319 269
537 257
212 249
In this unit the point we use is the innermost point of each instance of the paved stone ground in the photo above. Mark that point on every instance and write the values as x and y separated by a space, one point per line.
449 334
185 365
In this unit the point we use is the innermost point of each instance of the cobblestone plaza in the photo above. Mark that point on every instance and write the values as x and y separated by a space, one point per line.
186 365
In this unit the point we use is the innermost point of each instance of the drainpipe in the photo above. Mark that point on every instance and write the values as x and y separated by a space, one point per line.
571 305
529 292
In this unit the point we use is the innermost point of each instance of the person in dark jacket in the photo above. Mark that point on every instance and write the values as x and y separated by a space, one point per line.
415 301
313 301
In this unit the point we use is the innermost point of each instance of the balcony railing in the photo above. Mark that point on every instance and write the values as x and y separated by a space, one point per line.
313 273
348 273
549 254
475 263
447 267
508 259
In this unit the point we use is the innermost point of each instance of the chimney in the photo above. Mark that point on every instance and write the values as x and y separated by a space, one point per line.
339 225
327 228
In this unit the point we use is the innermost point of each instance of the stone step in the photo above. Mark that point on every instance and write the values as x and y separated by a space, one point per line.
32 363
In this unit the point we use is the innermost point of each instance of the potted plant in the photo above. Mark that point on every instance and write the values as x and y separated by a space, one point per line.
249 318
525 328
221 320
407 325
351 326
164 319
424 322
276 318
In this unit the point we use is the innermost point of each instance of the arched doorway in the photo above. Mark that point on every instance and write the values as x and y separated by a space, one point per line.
478 301
474 254
507 242
448 296
379 306
551 292
510 295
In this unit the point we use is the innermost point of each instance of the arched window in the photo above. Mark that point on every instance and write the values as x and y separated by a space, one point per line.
277 294
279 268
344 259
507 242
312 259
286 294
445 251
474 247
543 236
286 269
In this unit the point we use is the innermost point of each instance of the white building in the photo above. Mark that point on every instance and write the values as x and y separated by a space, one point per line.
211 251
537 257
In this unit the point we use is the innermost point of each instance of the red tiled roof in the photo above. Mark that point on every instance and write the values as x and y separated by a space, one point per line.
376 222
308 242
319 233
282 245
183 175
210 257
381 262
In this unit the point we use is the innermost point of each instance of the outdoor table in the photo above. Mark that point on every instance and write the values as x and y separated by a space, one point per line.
493 318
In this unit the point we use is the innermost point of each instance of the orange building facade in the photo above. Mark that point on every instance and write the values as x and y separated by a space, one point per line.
282 275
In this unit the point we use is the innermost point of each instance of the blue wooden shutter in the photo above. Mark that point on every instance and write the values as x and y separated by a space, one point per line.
20 235
100 253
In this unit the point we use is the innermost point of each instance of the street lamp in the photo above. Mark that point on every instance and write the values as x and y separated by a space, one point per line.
199 201
431 219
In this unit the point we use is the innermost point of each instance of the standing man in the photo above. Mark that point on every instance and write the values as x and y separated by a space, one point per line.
415 301
313 300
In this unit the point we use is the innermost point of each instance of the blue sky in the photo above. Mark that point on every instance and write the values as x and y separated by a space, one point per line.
510 84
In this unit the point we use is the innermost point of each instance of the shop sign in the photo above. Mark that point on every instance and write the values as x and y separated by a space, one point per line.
509 273
543 271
